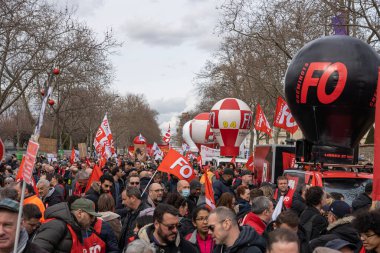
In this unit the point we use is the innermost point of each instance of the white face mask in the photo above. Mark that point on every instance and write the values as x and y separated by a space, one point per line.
185 193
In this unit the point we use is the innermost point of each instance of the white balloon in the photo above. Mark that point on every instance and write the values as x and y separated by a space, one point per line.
187 138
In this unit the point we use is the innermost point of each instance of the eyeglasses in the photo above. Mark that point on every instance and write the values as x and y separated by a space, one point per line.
107 186
202 219
134 183
365 236
212 227
172 226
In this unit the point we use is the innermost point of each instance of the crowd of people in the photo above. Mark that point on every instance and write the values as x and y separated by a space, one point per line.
135 209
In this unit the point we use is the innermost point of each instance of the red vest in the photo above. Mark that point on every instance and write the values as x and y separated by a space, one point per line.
93 243
288 198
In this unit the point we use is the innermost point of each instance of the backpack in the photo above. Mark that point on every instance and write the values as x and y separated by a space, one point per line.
308 226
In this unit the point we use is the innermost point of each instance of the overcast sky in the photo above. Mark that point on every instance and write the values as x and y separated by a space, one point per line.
165 43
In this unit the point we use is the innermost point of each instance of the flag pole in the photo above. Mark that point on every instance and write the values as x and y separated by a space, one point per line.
146 187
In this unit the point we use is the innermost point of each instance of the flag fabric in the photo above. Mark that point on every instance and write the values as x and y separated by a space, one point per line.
338 24
167 136
283 118
174 163
376 164
209 193
157 152
102 162
72 157
95 177
250 163
261 123
20 177
185 148
103 142
233 160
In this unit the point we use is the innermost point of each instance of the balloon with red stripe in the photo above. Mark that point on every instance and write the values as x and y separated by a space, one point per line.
200 131
230 120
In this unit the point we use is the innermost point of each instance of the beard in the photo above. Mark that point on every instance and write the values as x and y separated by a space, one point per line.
165 238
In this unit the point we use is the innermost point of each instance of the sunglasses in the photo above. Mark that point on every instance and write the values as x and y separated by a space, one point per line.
212 227
134 183
172 226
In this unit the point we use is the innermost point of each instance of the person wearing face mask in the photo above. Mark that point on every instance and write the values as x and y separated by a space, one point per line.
224 184
183 188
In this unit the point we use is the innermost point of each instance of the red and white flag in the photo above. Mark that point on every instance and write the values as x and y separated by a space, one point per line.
209 193
262 123
283 117
250 163
174 163
156 152
103 140
167 136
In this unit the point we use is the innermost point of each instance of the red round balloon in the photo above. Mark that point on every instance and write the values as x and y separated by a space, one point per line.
139 140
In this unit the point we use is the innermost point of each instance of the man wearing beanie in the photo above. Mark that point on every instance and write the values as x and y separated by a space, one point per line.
224 184
339 218
195 192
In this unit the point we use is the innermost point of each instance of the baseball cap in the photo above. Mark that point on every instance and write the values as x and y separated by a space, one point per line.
228 171
246 172
85 205
340 208
338 244
9 205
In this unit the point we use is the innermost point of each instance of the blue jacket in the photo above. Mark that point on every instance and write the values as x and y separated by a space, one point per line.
219 187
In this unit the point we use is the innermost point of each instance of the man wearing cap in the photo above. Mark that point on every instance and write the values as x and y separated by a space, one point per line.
224 184
8 225
340 227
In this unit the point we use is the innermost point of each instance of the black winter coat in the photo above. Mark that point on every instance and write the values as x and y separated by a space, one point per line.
362 202
220 187
33 248
93 194
340 229
54 236
249 241
179 245
53 197
319 224
298 204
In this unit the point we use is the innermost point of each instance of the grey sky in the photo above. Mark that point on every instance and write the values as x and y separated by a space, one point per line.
165 43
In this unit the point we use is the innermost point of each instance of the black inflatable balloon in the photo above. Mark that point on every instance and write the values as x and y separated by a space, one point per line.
330 89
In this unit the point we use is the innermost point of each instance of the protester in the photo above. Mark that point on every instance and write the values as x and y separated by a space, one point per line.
224 184
195 192
228 237
282 240
8 224
364 200
243 206
155 195
58 184
227 199
118 185
179 202
183 188
140 246
31 217
367 223
341 245
133 181
261 214
311 218
106 207
30 197
200 237
299 202
283 191
49 195
163 233
106 183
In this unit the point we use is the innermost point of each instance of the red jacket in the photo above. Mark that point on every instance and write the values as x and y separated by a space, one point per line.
255 222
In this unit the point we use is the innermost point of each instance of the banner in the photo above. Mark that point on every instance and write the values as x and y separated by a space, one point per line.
174 163
82 150
207 152
261 123
30 159
48 145
288 160
283 117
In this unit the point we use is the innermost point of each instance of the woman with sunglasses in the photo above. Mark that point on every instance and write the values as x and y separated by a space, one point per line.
200 237
368 226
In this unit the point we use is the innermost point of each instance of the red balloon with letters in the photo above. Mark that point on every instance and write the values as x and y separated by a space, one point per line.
200 131
230 119
330 89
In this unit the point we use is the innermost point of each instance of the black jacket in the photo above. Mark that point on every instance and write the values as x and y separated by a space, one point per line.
298 204
93 194
53 197
220 186
362 202
340 229
244 208
319 223
249 241
54 236
129 223
179 245
33 248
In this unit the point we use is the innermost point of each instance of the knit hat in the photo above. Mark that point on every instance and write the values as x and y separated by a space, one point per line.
340 208
228 171
194 184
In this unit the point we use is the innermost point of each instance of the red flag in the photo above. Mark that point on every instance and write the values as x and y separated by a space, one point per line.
95 177
288 160
88 162
72 157
283 117
250 164
174 163
376 165
209 193
233 160
102 162
20 172
262 123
